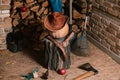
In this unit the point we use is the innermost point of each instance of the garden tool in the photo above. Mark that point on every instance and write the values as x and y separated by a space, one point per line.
80 45
70 22
89 68
33 74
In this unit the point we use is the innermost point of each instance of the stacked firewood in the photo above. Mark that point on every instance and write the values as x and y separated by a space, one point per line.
79 14
36 9
28 16
79 10
28 12
31 13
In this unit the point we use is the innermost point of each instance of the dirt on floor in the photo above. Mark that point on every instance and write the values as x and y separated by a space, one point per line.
12 65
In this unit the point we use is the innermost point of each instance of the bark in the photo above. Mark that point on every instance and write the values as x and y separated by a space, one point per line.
54 58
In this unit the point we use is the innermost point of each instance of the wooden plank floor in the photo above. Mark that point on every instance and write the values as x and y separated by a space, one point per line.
12 65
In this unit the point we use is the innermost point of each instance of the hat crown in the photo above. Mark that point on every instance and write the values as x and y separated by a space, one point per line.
55 21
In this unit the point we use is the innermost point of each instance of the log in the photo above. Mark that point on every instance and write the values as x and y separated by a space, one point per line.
79 35
12 13
40 11
34 8
64 1
38 20
31 16
29 1
25 14
17 4
90 8
65 43
76 14
81 5
15 22
40 1
30 4
85 0
32 22
16 16
43 35
25 22
83 11
46 11
45 4
54 59
77 7
74 28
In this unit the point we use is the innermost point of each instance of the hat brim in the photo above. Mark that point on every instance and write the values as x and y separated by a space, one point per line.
58 23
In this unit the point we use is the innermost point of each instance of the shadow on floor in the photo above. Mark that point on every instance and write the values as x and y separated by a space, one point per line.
38 56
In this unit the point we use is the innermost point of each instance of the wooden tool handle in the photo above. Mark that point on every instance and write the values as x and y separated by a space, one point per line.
87 74
69 37
58 45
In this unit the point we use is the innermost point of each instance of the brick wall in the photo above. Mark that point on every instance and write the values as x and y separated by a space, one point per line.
5 22
105 24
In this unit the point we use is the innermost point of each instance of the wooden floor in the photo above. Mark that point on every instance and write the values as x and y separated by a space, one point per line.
12 65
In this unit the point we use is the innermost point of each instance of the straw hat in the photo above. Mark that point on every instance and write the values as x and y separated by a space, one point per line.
55 21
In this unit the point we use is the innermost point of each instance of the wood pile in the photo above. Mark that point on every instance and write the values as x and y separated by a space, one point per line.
78 13
36 10
79 10
29 16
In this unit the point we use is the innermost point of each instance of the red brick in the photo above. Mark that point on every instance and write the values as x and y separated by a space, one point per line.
93 21
98 28
94 31
118 50
111 11
113 38
113 49
105 21
6 1
102 36
4 7
105 33
3 46
0 19
8 29
1 31
112 1
96 5
110 30
118 46
114 26
104 43
108 4
119 3
111 43
3 35
2 41
103 8
118 35
97 17
118 16
116 7
7 20
97 1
